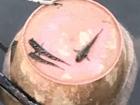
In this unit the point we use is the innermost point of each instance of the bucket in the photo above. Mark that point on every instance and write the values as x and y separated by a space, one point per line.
76 53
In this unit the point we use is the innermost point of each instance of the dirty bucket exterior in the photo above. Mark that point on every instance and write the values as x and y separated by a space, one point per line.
111 86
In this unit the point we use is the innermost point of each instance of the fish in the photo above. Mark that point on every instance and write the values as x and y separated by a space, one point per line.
13 50
82 54
41 51
36 57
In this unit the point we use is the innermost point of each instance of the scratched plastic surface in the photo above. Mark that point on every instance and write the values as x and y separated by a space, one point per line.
15 12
